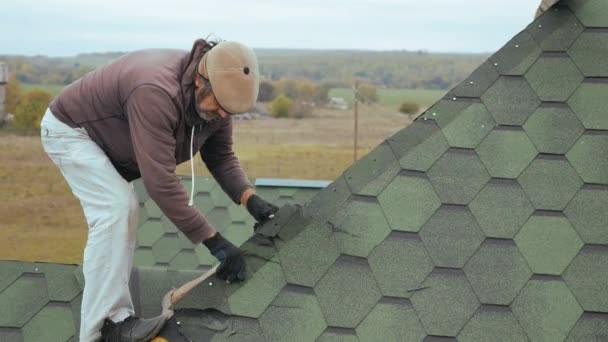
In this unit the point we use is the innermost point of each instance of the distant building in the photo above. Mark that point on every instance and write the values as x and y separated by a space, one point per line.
3 82
338 103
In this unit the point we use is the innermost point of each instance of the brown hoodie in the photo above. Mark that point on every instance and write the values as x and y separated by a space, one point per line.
139 109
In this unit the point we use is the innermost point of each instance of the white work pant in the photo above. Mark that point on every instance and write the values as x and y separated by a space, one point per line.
110 207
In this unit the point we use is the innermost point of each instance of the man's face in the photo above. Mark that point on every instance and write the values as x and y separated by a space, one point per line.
207 106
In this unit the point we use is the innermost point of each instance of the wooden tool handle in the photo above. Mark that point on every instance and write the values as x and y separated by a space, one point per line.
175 295
183 290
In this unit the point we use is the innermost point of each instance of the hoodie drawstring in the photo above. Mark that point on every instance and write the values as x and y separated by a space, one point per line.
191 203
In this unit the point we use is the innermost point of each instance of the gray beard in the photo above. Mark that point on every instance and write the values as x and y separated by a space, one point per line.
205 116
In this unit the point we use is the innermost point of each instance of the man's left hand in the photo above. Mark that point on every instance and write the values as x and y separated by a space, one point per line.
260 209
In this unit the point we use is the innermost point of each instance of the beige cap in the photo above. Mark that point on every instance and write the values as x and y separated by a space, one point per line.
232 69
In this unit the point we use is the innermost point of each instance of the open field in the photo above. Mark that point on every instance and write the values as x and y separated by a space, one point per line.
392 98
42 221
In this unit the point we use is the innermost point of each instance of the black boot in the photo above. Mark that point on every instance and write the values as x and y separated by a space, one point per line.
132 329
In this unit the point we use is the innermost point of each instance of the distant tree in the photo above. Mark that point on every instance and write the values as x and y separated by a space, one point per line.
281 107
306 90
13 94
30 110
288 87
301 110
409 107
266 92
367 94
322 93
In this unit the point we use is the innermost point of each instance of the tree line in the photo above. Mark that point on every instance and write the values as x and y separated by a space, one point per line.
390 69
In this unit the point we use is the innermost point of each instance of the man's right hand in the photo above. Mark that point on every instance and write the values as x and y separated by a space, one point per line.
232 265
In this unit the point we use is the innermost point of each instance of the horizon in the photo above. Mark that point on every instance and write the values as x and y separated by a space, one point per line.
321 50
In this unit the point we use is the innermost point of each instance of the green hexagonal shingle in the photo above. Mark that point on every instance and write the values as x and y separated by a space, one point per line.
497 271
144 257
458 176
478 82
587 277
11 271
152 210
184 260
13 335
546 309
347 292
294 315
590 327
511 101
359 226
203 184
54 322
554 77
446 110
589 103
409 201
22 300
166 248
419 145
517 55
451 236
506 152
219 217
469 127
391 320
168 226
400 264
550 182
219 197
204 257
333 334
490 323
253 297
589 156
149 232
589 52
328 200
61 284
203 202
313 245
501 208
556 30
548 243
372 173
447 304
587 212
553 129
592 13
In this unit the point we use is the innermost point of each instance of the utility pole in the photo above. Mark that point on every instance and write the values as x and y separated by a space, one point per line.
356 106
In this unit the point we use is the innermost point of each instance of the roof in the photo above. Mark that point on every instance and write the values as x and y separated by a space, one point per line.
160 245
483 218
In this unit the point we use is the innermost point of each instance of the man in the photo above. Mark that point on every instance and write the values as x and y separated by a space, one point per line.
140 116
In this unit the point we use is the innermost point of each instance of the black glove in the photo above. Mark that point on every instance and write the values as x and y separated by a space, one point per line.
232 265
260 209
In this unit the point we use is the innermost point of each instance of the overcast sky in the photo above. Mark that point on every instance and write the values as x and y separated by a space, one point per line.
68 27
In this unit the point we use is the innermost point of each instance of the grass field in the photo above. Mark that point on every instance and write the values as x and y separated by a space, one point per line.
392 98
42 221
54 89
